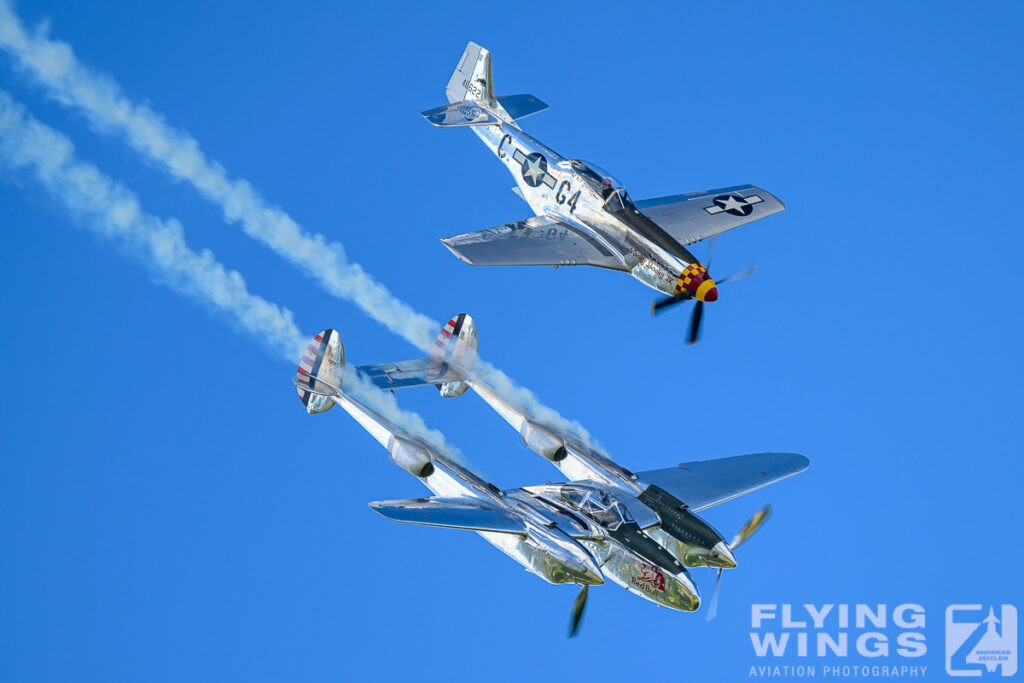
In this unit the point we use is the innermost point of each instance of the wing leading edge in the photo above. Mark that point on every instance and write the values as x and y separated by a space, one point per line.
537 241
452 513
710 482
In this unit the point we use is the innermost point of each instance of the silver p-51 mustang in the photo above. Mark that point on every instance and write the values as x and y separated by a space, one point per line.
584 216
639 529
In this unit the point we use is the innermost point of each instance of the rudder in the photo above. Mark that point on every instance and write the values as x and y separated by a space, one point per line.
472 78
457 343
319 374
471 100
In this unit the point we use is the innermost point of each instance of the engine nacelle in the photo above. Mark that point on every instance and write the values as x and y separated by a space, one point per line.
541 441
411 457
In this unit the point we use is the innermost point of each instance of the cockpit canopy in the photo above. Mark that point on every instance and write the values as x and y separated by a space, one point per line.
597 505
602 183
593 174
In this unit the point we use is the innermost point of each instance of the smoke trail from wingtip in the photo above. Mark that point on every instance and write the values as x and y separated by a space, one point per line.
53 64
111 210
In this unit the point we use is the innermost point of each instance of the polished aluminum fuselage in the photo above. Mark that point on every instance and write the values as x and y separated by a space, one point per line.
581 463
632 565
573 200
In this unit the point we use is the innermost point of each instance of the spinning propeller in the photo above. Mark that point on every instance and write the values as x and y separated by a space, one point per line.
577 610
745 532
685 295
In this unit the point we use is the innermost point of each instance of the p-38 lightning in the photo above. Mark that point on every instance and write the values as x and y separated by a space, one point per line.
584 216
638 529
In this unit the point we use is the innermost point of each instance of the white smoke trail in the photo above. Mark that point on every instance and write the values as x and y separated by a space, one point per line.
53 64
111 210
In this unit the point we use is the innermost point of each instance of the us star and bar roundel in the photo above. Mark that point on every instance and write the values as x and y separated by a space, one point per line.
734 204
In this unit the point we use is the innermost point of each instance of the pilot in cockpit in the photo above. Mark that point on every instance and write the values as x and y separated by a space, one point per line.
606 188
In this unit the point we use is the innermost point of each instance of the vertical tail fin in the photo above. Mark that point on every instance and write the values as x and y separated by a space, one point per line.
456 343
472 78
319 371
471 100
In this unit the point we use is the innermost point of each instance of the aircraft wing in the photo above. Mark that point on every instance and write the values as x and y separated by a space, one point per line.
412 373
453 513
537 241
697 216
710 482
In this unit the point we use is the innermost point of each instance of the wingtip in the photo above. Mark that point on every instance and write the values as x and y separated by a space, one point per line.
800 461
782 204
453 250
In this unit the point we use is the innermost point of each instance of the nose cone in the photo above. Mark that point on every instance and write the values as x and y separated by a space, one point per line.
585 571
721 556
707 291
687 596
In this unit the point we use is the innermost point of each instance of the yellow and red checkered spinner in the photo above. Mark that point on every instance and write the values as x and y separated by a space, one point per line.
696 281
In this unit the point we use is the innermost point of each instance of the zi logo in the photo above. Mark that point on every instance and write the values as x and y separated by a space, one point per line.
980 641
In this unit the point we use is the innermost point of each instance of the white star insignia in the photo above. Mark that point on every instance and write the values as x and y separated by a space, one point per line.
534 171
732 204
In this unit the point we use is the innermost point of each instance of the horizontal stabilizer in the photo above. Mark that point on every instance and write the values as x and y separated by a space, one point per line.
461 114
453 513
518 106
709 482
412 373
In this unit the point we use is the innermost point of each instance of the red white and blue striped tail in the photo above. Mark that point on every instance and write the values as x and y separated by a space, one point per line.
318 376
456 344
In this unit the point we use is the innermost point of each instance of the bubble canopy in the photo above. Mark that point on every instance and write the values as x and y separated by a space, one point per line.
593 174
602 183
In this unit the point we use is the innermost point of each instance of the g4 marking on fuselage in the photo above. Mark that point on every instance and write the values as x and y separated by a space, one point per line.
563 195
534 168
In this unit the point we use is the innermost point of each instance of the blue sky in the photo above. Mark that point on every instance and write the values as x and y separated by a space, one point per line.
167 509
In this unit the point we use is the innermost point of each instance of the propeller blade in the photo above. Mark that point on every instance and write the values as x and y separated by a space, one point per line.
577 610
698 313
746 272
752 525
661 304
713 605
712 245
